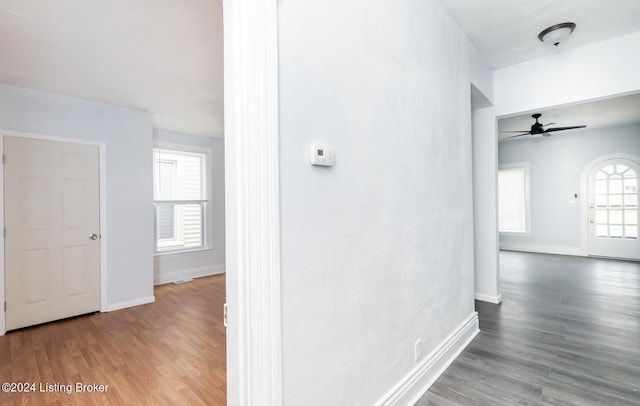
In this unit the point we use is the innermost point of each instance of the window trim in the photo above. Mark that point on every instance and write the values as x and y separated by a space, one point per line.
526 173
207 208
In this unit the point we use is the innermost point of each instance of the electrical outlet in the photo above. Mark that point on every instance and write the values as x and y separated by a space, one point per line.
417 349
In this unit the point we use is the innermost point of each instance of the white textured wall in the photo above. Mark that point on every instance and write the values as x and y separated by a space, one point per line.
595 71
377 251
481 76
128 137
172 267
485 214
555 177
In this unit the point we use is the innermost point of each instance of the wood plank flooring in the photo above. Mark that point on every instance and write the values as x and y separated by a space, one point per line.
171 352
567 333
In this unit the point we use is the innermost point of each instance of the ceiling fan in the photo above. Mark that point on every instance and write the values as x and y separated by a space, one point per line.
539 129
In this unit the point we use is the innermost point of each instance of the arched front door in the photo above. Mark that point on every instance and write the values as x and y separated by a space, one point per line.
613 209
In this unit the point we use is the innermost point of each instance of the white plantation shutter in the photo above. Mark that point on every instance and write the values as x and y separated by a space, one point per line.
192 213
166 223
165 218
179 196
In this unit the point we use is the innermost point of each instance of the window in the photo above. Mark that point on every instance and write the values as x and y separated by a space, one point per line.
513 198
616 202
179 195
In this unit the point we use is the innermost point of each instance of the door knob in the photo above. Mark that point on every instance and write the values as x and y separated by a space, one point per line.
93 236
591 219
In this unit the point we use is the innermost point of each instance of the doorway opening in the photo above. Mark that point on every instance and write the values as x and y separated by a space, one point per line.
611 183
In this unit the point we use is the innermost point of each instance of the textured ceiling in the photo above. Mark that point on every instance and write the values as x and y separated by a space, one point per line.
165 56
505 32
161 56
597 114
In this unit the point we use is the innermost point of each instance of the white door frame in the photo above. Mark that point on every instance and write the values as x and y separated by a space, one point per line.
102 148
252 201
584 189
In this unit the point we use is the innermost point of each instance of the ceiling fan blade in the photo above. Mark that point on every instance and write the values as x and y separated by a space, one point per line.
519 135
544 125
516 131
548 130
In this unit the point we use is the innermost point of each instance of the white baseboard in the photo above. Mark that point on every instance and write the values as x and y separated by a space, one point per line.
541 249
418 381
169 277
489 298
130 303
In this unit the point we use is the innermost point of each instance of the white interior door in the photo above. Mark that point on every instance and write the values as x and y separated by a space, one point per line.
613 209
52 247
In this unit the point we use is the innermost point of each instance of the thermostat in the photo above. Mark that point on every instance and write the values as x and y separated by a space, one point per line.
321 155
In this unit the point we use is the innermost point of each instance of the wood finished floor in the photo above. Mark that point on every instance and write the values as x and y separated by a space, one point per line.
567 333
171 352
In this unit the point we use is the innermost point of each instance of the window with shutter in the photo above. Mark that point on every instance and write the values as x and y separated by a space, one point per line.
180 199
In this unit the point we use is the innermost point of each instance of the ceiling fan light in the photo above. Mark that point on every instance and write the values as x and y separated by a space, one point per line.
555 34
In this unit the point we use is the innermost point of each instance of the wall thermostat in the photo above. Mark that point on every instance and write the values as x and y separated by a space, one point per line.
321 155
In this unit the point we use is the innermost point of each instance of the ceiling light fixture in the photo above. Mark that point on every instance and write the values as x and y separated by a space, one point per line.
556 33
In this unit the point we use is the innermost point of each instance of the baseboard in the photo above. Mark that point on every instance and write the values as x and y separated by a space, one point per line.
180 275
130 303
418 381
489 298
541 249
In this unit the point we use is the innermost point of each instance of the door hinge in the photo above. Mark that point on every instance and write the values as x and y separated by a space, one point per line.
3 159
4 232
225 318
5 306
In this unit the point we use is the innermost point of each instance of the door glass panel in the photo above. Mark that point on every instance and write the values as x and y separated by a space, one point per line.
601 187
615 201
615 231
615 185
615 217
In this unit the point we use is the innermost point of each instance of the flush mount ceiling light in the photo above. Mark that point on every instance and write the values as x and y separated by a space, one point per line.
556 33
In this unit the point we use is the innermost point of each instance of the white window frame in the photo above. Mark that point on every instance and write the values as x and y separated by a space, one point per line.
527 198
206 206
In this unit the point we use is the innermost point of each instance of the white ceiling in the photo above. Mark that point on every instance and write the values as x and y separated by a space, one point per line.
505 32
602 113
161 56
165 56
